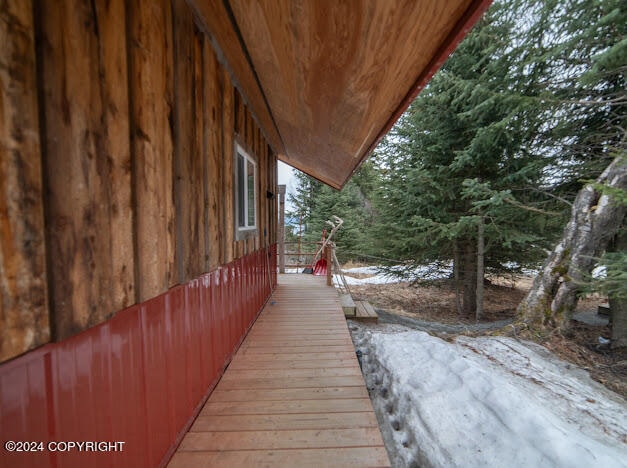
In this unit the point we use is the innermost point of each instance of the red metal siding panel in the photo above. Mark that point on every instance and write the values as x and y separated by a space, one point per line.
128 409
261 286
239 291
24 407
213 316
157 372
81 381
258 280
250 280
220 287
206 338
229 305
216 320
192 342
178 355
137 378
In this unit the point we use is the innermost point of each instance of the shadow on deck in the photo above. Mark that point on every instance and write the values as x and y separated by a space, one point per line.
293 394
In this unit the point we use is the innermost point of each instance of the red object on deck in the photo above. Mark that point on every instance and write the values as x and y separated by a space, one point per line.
320 269
139 378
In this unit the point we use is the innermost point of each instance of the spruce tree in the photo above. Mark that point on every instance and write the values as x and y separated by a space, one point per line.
459 162
315 203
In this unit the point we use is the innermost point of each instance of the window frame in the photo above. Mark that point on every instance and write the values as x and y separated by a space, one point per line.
247 230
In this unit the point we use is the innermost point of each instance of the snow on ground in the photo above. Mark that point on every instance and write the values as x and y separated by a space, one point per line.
376 276
379 276
488 401
431 271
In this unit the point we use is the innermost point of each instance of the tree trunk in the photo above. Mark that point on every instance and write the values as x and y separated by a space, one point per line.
469 278
456 278
618 307
480 268
594 221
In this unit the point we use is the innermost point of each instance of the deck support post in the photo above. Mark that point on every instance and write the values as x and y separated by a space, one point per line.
328 254
281 228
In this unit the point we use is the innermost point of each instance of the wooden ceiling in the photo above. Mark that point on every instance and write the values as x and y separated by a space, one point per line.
328 78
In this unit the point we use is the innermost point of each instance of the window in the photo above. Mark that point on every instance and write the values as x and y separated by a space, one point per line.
245 193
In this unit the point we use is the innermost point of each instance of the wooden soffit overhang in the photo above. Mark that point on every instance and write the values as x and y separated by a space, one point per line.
326 79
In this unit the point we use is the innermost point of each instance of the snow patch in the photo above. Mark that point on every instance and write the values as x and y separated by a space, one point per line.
380 276
489 401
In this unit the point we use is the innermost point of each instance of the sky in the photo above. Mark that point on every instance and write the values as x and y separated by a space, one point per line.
286 178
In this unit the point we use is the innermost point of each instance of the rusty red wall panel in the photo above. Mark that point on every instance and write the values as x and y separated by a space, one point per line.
249 284
137 378
181 342
216 320
234 299
157 371
80 367
226 303
190 347
25 406
128 409
239 292
207 367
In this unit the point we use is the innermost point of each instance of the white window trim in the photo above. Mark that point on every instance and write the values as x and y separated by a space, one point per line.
243 232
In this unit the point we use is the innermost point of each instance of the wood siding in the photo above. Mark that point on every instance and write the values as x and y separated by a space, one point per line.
23 314
116 137
86 162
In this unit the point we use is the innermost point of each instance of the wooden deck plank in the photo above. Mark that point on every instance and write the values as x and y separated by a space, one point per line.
270 332
283 394
241 364
365 312
303 438
293 395
343 405
280 343
343 348
293 357
283 422
293 373
232 382
265 333
336 457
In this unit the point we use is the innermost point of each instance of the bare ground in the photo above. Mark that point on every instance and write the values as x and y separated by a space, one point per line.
435 302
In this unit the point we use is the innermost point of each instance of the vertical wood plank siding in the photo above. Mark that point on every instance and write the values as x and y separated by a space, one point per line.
213 119
117 130
228 123
118 260
151 88
23 312
86 149
188 146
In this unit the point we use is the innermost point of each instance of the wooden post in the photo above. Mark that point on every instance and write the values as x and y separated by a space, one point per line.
282 228
329 256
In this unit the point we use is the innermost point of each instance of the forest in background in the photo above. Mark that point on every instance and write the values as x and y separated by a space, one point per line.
487 167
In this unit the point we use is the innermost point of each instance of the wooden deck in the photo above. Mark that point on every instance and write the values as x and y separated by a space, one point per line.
293 394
